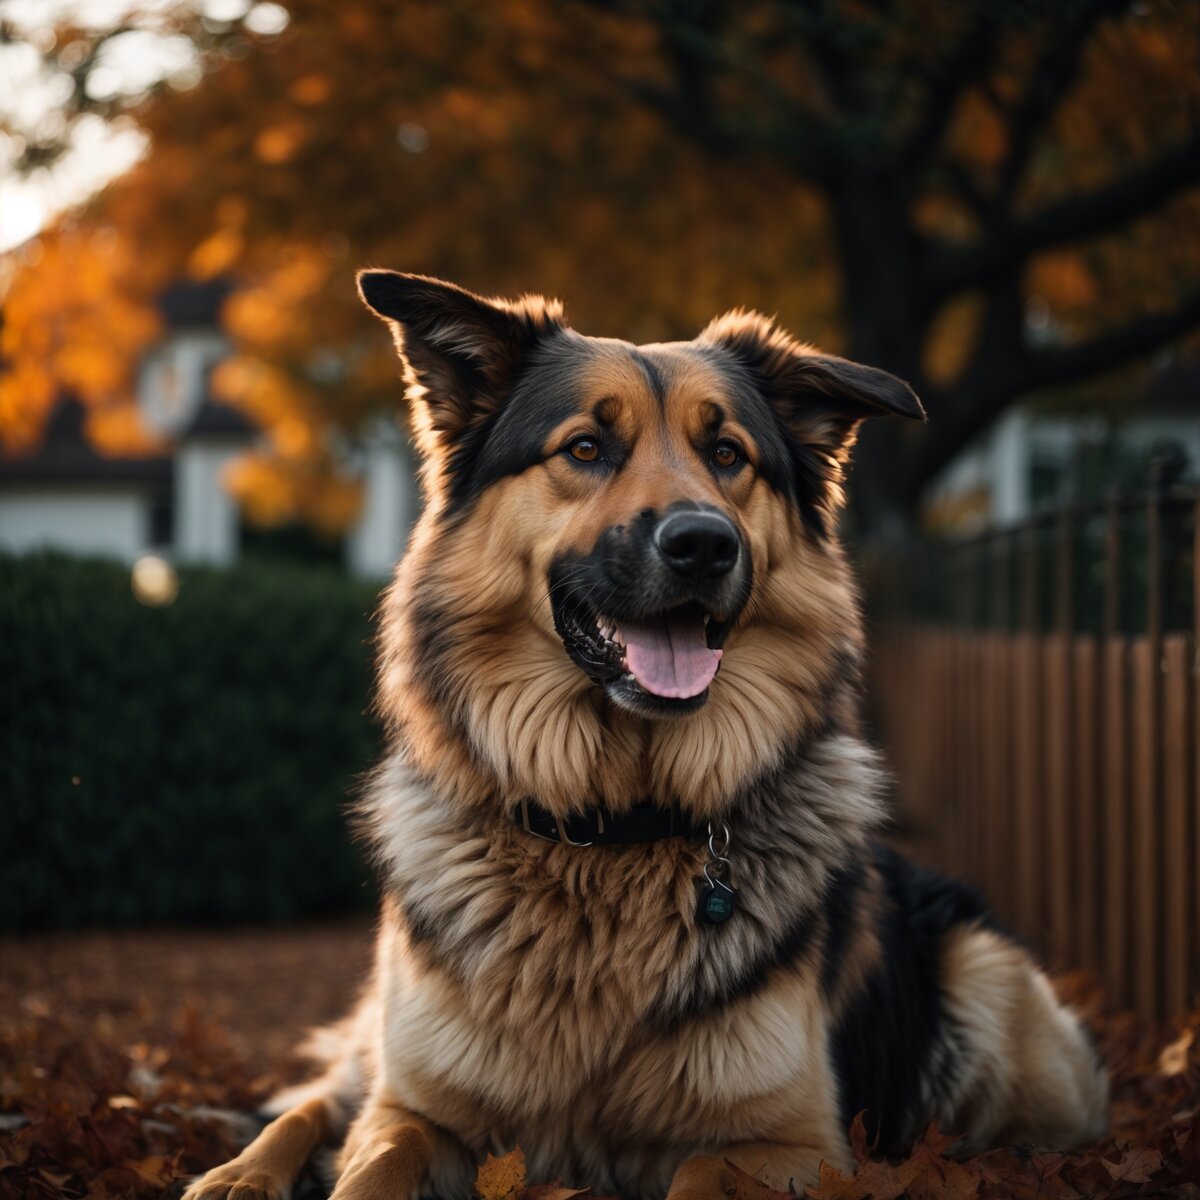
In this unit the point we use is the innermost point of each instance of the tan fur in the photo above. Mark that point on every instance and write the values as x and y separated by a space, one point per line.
1032 1076
768 693
389 1151
266 1169
567 1000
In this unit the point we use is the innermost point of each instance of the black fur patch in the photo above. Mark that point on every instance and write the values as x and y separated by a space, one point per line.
790 946
840 905
883 1044
544 395
793 470
433 635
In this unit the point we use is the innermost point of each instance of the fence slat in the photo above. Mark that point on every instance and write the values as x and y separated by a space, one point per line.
1178 864
976 808
1027 719
1147 831
1057 852
1088 803
1000 798
1116 823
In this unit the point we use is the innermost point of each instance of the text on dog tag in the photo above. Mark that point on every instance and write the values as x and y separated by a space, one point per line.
716 902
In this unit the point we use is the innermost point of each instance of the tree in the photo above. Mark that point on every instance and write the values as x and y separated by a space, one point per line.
907 182
981 151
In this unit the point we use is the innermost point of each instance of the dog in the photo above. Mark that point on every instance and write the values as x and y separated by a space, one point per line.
636 917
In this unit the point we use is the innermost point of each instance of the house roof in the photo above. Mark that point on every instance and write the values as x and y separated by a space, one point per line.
67 456
186 303
1175 387
215 419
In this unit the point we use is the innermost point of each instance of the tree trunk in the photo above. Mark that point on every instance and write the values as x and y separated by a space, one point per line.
881 273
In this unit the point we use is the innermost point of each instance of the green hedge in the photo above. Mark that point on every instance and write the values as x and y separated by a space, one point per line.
188 763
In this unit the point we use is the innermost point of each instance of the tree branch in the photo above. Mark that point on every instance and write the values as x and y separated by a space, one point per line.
1052 77
695 54
1138 192
970 408
967 62
965 186
1137 338
815 25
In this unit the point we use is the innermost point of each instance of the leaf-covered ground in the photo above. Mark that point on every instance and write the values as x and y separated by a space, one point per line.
121 1055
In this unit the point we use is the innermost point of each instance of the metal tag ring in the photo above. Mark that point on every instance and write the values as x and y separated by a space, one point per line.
727 837
718 865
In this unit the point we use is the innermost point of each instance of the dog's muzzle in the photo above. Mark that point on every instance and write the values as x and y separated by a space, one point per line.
645 614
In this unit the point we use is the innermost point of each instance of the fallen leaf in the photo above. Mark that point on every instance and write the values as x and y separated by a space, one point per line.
833 1185
501 1178
859 1145
749 1187
1174 1058
155 1170
934 1141
883 1181
944 1180
552 1191
1137 1164
938 1177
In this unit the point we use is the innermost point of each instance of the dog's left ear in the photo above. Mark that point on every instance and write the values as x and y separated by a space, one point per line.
819 399
461 349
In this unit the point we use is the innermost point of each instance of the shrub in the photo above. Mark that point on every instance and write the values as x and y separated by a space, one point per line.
188 763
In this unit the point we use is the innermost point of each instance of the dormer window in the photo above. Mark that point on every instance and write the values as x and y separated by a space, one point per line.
171 384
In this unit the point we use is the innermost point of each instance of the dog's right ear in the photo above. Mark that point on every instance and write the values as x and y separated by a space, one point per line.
461 350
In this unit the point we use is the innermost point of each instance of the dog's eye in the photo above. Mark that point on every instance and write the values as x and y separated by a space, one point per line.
584 449
726 454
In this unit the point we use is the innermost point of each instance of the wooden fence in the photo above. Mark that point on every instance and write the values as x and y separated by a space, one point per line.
1049 752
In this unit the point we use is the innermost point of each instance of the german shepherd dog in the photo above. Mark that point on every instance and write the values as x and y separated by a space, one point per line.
636 919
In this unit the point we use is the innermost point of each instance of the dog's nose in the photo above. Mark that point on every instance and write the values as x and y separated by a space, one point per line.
698 544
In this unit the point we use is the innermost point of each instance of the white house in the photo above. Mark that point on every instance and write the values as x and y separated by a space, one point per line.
68 496
1029 457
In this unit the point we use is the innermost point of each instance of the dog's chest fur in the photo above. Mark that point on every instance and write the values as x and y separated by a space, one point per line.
534 993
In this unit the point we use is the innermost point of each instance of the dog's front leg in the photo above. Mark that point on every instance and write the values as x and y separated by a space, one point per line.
268 1167
781 1166
388 1153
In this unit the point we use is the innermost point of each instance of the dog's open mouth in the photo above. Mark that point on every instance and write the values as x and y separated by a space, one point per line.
667 659
668 655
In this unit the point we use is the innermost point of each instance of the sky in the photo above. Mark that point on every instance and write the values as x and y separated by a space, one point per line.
31 97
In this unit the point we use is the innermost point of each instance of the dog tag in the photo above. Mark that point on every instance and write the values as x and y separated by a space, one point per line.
716 902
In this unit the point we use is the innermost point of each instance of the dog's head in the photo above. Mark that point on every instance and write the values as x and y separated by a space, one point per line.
623 521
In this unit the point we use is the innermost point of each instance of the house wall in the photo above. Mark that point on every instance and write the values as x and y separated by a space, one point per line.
206 517
997 470
389 504
83 520
1145 433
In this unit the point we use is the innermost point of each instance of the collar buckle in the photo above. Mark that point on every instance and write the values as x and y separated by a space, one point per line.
557 829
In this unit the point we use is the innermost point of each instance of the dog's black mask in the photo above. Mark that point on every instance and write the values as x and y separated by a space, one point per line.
645 613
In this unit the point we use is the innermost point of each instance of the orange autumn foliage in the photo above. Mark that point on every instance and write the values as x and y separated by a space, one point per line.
76 316
512 147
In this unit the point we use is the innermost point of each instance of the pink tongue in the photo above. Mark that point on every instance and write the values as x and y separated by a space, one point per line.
669 659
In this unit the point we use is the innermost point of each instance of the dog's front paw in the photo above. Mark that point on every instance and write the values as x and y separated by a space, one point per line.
237 1181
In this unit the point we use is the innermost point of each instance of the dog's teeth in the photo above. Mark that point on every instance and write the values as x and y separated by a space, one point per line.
707 618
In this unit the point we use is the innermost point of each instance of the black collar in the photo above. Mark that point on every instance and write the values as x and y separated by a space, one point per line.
597 827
